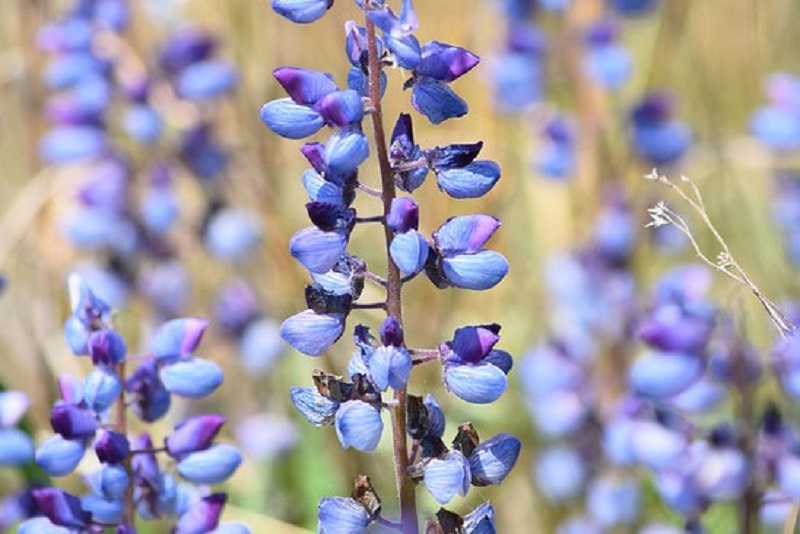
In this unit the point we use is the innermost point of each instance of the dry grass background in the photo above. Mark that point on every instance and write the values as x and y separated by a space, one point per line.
713 53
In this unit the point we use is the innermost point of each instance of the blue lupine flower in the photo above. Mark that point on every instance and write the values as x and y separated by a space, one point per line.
202 516
560 473
723 471
194 378
103 511
70 143
656 446
73 422
232 235
479 271
478 384
291 120
342 515
657 136
101 389
159 209
403 150
149 398
614 502
559 414
16 447
59 456
439 65
312 333
231 527
301 11
317 409
664 374
403 215
345 150
700 397
341 108
62 508
471 181
606 62
143 124
437 101
390 367
193 434
777 125
409 252
107 348
110 482
493 459
358 425
318 251
448 476
210 466
112 447
678 328
178 338
206 80
633 7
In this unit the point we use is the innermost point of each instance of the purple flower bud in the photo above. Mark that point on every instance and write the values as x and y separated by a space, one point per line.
478 384
73 422
301 11
445 62
304 86
358 425
185 47
471 181
318 251
446 477
436 100
312 333
664 374
479 271
341 108
560 474
409 251
149 397
194 434
58 456
112 447
203 516
342 515
107 348
331 217
493 459
101 389
206 80
61 508
110 482
472 343
403 215
291 120
194 378
392 332
317 409
210 466
16 447
177 338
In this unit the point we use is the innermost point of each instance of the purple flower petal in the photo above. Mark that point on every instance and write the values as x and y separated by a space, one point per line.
177 338
341 108
203 516
445 62
465 234
304 86
193 434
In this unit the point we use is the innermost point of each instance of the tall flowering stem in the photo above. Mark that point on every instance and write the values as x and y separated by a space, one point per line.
394 306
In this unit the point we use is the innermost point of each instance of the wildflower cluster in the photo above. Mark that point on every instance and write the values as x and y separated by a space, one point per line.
92 414
455 255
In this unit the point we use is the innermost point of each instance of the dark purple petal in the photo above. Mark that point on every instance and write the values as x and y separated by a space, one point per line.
445 62
341 108
472 343
403 215
112 447
194 434
392 332
304 86
73 422
315 154
149 398
186 46
453 156
203 516
329 217
106 347
62 508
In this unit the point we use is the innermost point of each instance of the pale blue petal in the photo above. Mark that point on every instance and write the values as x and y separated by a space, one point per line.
479 271
478 384
312 333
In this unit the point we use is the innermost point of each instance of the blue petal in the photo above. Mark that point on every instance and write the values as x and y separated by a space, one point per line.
465 234
260 345
13 405
69 143
480 520
664 374
472 181
341 515
312 333
321 190
345 151
301 11
101 389
359 425
231 527
479 271
614 502
447 477
437 101
206 80
390 366
478 384
406 50
233 234
177 338
58 456
16 447
77 336
493 459
291 120
317 250
211 466
304 86
656 446
409 252
194 378
662 144
560 474
358 81
776 128
143 124
110 482
609 66
41 525
317 409
436 420
341 108
103 511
